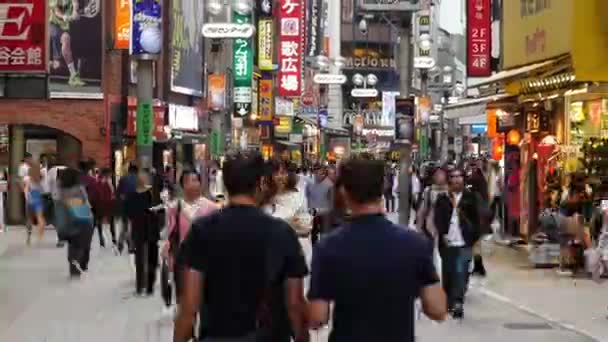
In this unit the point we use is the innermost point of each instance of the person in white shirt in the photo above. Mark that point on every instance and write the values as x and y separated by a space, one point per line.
458 222
53 187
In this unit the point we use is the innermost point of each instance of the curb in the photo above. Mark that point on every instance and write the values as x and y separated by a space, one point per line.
498 297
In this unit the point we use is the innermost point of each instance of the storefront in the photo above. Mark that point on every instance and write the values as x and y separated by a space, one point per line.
553 66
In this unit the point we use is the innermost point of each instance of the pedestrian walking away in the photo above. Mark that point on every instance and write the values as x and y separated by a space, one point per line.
370 269
247 262
145 234
320 198
74 221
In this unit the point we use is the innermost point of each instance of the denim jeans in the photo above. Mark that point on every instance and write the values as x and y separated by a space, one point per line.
455 263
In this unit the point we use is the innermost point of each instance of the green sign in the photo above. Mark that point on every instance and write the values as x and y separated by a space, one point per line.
216 144
243 55
145 121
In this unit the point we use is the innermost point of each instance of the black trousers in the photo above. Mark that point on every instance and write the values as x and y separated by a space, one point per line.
79 251
320 224
389 200
146 262
455 263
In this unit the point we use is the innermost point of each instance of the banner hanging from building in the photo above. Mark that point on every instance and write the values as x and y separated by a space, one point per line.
146 28
265 44
187 47
122 24
76 68
242 68
23 36
216 95
291 49
313 30
479 38
266 99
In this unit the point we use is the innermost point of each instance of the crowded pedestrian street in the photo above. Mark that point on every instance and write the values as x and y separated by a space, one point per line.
39 303
303 171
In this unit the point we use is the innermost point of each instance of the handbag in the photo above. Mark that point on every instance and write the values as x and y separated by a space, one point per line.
79 211
166 288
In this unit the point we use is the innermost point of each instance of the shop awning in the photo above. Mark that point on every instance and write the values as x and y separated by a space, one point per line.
471 108
287 143
508 75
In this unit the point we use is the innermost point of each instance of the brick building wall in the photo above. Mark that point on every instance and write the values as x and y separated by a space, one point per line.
81 119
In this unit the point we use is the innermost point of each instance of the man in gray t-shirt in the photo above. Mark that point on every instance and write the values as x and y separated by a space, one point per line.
320 195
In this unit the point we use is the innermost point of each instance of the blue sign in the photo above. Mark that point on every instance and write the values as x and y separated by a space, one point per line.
146 23
323 116
479 129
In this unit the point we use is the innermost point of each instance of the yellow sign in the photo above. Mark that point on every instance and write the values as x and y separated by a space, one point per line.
266 100
122 24
283 125
265 44
536 30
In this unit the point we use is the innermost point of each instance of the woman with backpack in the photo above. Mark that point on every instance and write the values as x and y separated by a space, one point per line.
74 221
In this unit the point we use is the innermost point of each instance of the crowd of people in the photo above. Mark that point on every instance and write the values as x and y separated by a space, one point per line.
290 247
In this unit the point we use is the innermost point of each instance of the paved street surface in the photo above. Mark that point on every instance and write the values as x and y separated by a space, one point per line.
39 303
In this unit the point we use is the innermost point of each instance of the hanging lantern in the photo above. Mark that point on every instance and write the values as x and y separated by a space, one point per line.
497 148
513 137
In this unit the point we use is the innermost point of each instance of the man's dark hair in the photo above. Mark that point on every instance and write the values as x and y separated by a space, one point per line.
27 155
106 172
187 172
242 173
363 179
132 169
69 178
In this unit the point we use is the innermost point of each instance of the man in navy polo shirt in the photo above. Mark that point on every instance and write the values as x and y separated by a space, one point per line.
371 269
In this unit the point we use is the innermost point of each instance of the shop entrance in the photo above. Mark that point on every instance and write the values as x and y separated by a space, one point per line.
41 142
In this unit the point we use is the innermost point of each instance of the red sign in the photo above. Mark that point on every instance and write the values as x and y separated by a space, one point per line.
23 36
291 47
479 38
159 119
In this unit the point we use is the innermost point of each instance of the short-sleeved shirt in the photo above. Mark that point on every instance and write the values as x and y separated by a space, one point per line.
373 270
245 257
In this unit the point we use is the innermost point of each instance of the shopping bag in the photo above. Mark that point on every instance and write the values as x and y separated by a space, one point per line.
166 288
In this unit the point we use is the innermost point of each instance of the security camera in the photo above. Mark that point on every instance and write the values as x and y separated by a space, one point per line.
363 26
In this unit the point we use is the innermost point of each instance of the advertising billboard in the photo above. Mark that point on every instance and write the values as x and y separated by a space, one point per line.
187 47
265 43
122 24
146 28
23 36
243 69
479 38
75 37
291 41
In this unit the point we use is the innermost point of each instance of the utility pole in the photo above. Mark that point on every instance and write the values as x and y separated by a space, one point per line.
145 96
406 152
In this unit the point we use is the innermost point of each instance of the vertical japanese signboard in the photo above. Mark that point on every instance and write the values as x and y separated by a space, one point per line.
479 38
265 43
313 30
290 47
266 99
145 123
122 24
23 36
242 68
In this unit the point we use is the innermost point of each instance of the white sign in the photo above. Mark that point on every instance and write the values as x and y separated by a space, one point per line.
390 5
242 95
458 145
228 30
283 107
295 138
364 92
424 62
329 79
183 117
378 132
